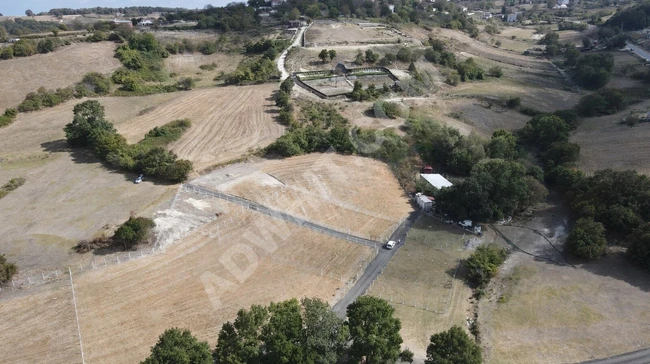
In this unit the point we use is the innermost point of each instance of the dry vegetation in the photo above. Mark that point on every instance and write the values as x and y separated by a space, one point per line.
58 69
227 122
348 193
121 317
605 143
561 314
187 65
324 34
421 274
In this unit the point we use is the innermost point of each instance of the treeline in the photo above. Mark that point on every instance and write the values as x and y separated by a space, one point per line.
127 11
232 17
89 129
631 18
25 26
309 332
27 47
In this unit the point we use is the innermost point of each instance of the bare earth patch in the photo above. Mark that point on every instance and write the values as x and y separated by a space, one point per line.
61 68
187 65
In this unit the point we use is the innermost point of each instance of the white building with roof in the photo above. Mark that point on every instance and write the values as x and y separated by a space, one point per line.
436 180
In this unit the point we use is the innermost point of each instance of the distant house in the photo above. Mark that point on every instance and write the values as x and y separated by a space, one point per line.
511 18
563 2
463 9
391 8
276 3
436 180
145 22
14 40
296 23
126 22
487 15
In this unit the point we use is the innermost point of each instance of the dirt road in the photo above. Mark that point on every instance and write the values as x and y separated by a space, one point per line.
283 56
636 357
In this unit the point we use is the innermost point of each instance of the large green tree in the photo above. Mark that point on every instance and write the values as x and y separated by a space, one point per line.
88 116
639 250
484 263
453 346
239 342
544 130
374 331
176 346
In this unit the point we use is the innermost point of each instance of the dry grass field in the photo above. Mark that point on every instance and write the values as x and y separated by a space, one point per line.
552 314
419 282
345 192
187 65
324 34
61 68
124 308
605 143
227 123
40 328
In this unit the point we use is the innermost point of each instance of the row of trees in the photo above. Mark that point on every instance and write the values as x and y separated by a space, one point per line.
90 129
309 332
26 47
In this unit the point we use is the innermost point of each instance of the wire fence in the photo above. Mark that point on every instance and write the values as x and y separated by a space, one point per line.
30 279
254 206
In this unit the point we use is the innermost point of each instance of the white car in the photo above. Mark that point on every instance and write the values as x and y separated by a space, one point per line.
139 179
390 245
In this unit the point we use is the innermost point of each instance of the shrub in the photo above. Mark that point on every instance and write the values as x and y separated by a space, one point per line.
587 239
93 83
593 70
484 263
208 67
8 117
453 346
46 45
133 232
606 101
186 83
496 71
7 270
513 102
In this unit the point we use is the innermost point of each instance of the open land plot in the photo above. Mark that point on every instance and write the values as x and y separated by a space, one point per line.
68 194
605 143
228 122
306 59
553 314
124 308
362 115
40 328
57 69
421 282
328 34
348 193
187 65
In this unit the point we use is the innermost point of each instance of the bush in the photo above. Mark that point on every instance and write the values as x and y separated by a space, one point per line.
133 232
46 45
208 67
8 117
639 250
513 102
484 263
593 70
93 83
544 130
606 101
587 239
186 83
7 270
496 71
453 346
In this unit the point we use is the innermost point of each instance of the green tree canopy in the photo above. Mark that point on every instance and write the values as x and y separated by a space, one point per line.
176 346
587 239
453 346
374 331
544 130
484 263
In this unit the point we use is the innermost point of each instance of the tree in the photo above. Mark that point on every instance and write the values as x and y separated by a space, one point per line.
550 38
176 346
484 263
544 130
281 336
373 330
502 145
324 55
453 346
587 239
324 334
239 342
593 70
134 231
371 57
639 250
28 12
332 54
586 43
88 117
404 55
358 60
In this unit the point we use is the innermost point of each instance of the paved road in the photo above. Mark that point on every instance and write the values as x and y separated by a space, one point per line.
636 357
639 51
281 215
375 267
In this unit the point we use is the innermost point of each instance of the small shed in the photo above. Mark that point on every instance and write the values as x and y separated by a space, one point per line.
436 180
424 202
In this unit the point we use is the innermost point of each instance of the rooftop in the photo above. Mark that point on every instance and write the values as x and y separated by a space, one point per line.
436 180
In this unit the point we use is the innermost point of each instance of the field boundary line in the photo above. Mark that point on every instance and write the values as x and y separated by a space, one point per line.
76 315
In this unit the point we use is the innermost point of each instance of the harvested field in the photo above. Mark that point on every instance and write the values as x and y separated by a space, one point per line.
122 317
61 68
228 122
605 143
40 328
420 283
362 115
552 314
331 34
187 65
345 192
